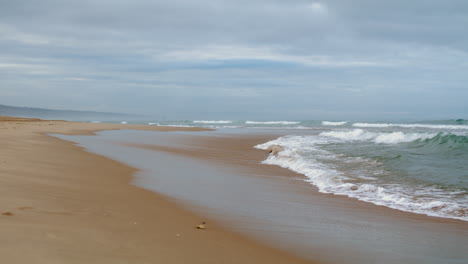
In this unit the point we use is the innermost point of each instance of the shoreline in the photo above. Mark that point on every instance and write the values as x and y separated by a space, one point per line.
238 147
326 212
67 205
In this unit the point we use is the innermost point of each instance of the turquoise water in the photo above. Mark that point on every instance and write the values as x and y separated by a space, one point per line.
414 167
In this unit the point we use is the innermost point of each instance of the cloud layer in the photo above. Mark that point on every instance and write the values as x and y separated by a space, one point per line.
238 59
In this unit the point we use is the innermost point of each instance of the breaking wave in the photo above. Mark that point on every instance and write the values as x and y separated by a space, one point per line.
443 141
330 123
302 154
377 137
212 121
383 125
271 123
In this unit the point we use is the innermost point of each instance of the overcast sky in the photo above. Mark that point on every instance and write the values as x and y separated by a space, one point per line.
252 59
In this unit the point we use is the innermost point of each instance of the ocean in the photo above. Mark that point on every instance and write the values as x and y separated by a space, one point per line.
418 167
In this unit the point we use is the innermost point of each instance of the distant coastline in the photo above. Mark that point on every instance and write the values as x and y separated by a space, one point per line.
71 115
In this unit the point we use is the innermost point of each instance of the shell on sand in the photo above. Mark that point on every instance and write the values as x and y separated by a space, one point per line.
201 226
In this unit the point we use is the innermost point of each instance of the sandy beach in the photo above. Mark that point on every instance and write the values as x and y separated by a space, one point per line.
219 132
61 204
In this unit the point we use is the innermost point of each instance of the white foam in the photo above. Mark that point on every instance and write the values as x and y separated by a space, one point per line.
377 137
356 134
290 158
286 127
330 123
301 154
153 124
221 127
123 122
400 137
212 121
383 125
271 123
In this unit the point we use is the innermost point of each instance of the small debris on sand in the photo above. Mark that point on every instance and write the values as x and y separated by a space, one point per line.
7 213
201 226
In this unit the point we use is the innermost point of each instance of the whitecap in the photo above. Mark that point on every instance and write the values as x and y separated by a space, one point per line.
271 122
330 123
212 121
377 137
383 125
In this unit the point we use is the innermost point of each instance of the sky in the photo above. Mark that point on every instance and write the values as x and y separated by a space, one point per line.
255 59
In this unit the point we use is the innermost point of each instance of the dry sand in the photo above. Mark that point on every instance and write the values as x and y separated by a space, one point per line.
60 204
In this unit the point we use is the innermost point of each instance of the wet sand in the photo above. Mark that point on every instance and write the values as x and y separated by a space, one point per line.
239 151
61 204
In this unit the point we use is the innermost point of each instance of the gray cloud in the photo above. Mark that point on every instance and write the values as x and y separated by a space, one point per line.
238 59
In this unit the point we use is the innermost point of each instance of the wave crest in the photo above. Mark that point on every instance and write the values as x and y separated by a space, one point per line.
379 138
271 122
445 142
383 125
330 123
212 121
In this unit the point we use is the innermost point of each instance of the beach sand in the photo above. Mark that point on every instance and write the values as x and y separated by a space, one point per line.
60 204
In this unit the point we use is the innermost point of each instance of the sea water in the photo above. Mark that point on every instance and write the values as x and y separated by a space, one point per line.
419 167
